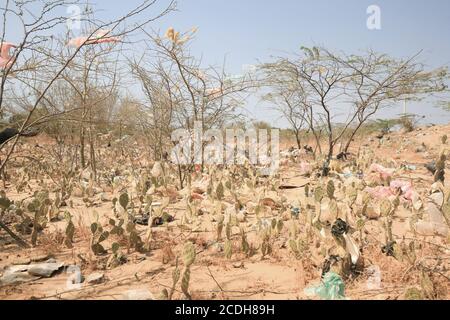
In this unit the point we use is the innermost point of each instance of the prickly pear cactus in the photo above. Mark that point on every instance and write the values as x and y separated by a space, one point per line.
446 211
352 195
98 236
124 200
134 240
188 258
220 227
385 207
333 207
330 189
245 247
228 249
318 194
440 168
70 231
220 191
189 254
176 273
298 247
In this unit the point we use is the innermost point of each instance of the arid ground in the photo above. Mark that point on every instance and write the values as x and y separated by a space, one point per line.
254 237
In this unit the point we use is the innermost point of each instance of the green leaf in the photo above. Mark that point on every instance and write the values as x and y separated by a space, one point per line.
94 227
124 200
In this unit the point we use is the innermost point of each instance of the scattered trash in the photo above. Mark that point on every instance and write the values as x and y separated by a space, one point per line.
388 249
157 221
95 278
295 212
332 287
436 225
379 192
409 167
269 203
384 173
15 278
197 196
406 188
45 270
339 228
24 273
374 280
328 263
305 168
431 167
241 217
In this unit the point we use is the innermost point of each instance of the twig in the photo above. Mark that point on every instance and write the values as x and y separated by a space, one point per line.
212 276
16 238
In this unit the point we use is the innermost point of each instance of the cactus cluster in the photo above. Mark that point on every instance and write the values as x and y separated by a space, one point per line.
188 259
439 175
70 230
98 236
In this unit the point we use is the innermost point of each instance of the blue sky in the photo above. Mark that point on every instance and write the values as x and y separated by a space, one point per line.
251 30
248 31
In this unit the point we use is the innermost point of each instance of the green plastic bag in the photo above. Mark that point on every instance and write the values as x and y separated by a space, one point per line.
332 287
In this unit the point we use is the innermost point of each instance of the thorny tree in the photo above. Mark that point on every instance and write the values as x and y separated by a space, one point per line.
326 85
180 91
35 64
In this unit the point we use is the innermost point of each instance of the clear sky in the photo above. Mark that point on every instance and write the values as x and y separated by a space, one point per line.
248 31
251 30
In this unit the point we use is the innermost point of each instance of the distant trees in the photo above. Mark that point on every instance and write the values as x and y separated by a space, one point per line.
317 86
180 91
42 59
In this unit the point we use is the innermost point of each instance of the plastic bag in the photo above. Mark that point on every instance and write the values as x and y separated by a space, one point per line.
332 287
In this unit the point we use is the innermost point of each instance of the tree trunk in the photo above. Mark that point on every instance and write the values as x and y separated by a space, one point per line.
298 140
347 146
330 150
82 142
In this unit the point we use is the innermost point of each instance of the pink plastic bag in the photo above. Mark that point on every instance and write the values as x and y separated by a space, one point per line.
380 192
384 172
305 168
405 186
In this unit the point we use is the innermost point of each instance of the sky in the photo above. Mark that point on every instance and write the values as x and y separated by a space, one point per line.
251 31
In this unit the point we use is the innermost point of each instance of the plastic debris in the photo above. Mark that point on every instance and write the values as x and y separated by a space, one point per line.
295 212
409 167
436 225
388 249
374 279
379 192
431 167
305 168
340 231
24 273
385 173
405 186
332 287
